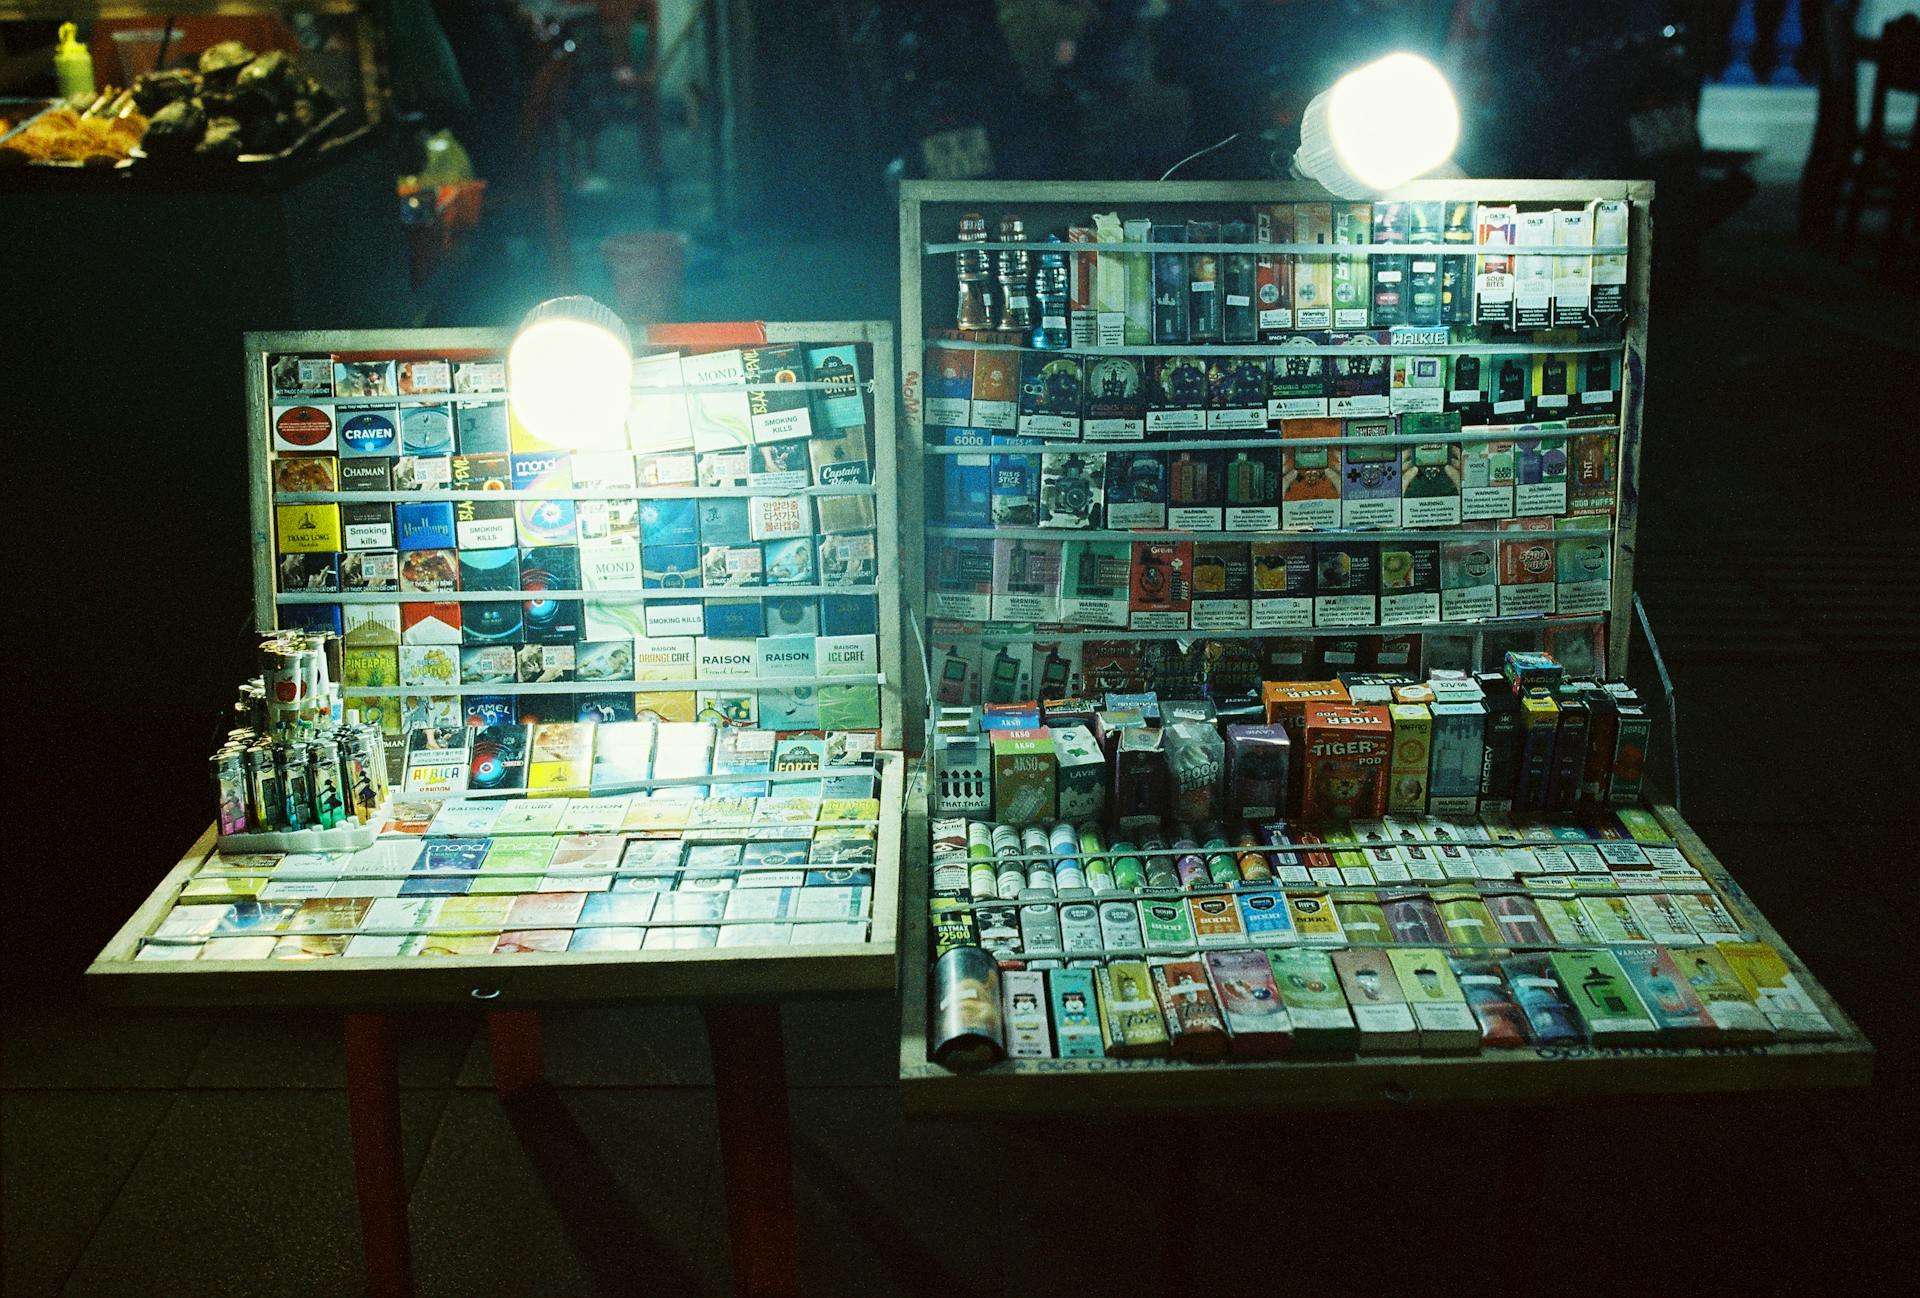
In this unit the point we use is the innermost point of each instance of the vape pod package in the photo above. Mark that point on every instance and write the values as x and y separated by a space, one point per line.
1370 476
1024 771
1130 1017
1024 1011
1203 285
1268 919
1582 568
1310 476
1392 300
1238 286
1273 272
1076 1013
1362 382
1526 566
1409 582
1114 400
994 404
1257 765
1352 273
1013 484
1162 591
1439 1006
1426 289
1222 586
1299 382
1176 394
1459 746
1601 994
1497 225
1111 288
1171 287
1095 581
1719 990
1313 273
1283 585
1195 1027
1073 489
1501 1021
1379 1007
1416 383
949 395
1533 270
1026 580
1080 773
1550 1014
1310 990
1314 919
1457 273
1346 583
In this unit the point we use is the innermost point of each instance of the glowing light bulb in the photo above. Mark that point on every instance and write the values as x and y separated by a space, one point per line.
1381 125
570 374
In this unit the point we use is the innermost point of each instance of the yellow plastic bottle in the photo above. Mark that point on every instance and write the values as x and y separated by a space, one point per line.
73 64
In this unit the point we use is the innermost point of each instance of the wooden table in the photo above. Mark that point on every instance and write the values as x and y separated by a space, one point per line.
739 992
1034 1087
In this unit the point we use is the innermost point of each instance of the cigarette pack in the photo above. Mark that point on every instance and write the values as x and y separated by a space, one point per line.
1502 1023
1604 998
1310 989
1434 995
1076 1019
1776 989
1024 1004
1130 1018
1195 1026
1379 1007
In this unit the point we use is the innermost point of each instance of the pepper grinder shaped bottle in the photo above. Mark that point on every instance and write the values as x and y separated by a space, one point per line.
976 277
1016 275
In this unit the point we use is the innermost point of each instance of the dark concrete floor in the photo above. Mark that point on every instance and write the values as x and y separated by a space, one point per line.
202 1155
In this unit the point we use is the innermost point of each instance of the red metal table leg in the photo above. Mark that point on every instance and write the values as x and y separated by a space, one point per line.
513 1039
373 1112
756 1148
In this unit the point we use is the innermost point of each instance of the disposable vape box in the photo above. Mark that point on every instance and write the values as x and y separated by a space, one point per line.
1500 766
1608 288
1407 779
1434 995
1776 989
1171 286
1569 751
1273 272
1526 567
1633 734
960 580
1590 474
1024 771
967 480
1361 917
1720 991
1136 489
1195 1026
1352 273
1313 272
1112 287
1040 930
1533 270
1541 472
1161 597
1014 484
1392 223
1315 920
1080 935
1168 927
1050 395
1539 724
1409 582
1026 580
1509 381
1257 765
1237 388
1238 286
1678 1014
1076 1013
1130 1017
1176 394
1488 473
1573 272
1310 476
1603 997
1430 472
1024 1010
1459 747
1222 586
1456 272
1283 585
1250 1004
1137 325
1252 480
1299 384
1370 477
1379 1007
1555 384
1495 225
1361 384
1203 284
1345 583
1095 582
1550 1015
1120 931
1073 489
1425 290
1080 772
1082 268
996 383
1115 399
1310 989
1268 918
1502 1023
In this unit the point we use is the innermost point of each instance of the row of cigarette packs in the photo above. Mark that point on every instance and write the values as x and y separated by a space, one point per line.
375 408
1526 740
559 758
1003 388
1527 567
1113 299
1551 470
1260 1004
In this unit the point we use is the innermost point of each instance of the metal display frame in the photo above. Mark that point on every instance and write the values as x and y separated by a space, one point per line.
929 212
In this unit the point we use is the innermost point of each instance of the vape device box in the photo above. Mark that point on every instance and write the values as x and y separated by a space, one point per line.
1425 305
1195 1027
1526 566
1237 389
1081 773
1352 272
1430 471
1252 491
1050 398
1345 583
1222 586
1203 284
1250 1004
949 387
1569 751
1023 776
996 383
967 479
1459 748
1076 1013
1299 384
1310 989
1171 287
1456 272
1603 997
1727 1002
1130 1016
1026 580
1196 490
1239 276
1379 1007
1168 927
1257 766
1409 582
1313 271
1273 271
1370 477
1073 489
1137 326
1136 489
1040 930
1115 400
1024 1006
1433 994
1497 225
1176 394
1412 753
1539 724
